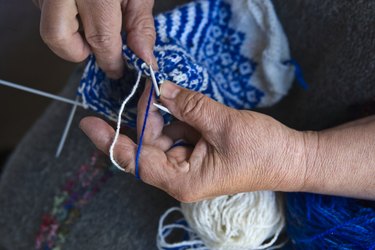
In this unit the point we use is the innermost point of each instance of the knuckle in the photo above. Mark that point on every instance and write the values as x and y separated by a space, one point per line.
54 38
124 164
123 156
193 106
149 33
143 24
100 41
146 23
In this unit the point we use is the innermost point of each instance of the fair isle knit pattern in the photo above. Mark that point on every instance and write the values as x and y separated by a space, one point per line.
232 51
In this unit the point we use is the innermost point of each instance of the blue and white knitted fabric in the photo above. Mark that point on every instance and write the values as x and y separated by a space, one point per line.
232 51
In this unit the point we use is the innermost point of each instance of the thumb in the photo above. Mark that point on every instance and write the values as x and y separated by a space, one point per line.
195 109
140 29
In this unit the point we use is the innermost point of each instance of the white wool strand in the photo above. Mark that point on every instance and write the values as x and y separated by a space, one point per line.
127 99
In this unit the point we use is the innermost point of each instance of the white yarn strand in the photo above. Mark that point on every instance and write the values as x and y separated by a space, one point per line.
127 99
165 230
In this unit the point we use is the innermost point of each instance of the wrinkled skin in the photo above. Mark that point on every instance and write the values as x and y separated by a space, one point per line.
75 28
229 153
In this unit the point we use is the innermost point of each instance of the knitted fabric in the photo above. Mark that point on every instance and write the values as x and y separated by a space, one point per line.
232 51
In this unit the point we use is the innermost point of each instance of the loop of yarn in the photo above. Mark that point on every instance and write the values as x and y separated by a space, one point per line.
191 239
232 222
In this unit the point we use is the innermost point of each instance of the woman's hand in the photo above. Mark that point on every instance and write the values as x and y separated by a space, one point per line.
102 21
231 151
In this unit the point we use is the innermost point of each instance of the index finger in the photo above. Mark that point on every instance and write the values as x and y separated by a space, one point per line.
59 30
102 22
140 29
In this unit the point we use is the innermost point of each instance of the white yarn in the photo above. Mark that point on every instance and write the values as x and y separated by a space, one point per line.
111 149
164 230
232 222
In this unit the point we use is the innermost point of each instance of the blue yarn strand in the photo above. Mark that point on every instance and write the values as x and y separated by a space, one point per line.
298 73
142 133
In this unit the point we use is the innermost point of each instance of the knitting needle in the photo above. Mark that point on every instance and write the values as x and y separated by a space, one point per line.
157 91
66 130
162 108
153 78
41 93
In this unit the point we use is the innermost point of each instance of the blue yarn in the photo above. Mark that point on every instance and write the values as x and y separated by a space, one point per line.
298 73
142 133
328 222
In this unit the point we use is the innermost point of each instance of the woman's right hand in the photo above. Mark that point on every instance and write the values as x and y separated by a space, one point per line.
102 22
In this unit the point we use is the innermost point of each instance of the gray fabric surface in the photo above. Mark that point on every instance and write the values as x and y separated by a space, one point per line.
332 40
124 214
334 43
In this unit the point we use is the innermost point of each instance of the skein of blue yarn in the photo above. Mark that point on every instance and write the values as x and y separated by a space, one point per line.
329 222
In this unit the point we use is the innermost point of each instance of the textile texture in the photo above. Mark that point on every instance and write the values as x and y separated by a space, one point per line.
232 51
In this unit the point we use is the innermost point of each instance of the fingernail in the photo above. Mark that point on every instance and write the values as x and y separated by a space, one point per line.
169 90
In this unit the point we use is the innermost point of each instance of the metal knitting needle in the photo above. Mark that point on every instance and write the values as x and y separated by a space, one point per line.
157 91
54 97
161 107
66 130
41 93
153 78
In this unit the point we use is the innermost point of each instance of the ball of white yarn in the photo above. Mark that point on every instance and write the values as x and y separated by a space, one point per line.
235 222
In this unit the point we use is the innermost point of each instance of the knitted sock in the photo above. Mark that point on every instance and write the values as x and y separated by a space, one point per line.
232 51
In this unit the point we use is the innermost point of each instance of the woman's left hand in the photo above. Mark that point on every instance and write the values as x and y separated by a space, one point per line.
231 151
